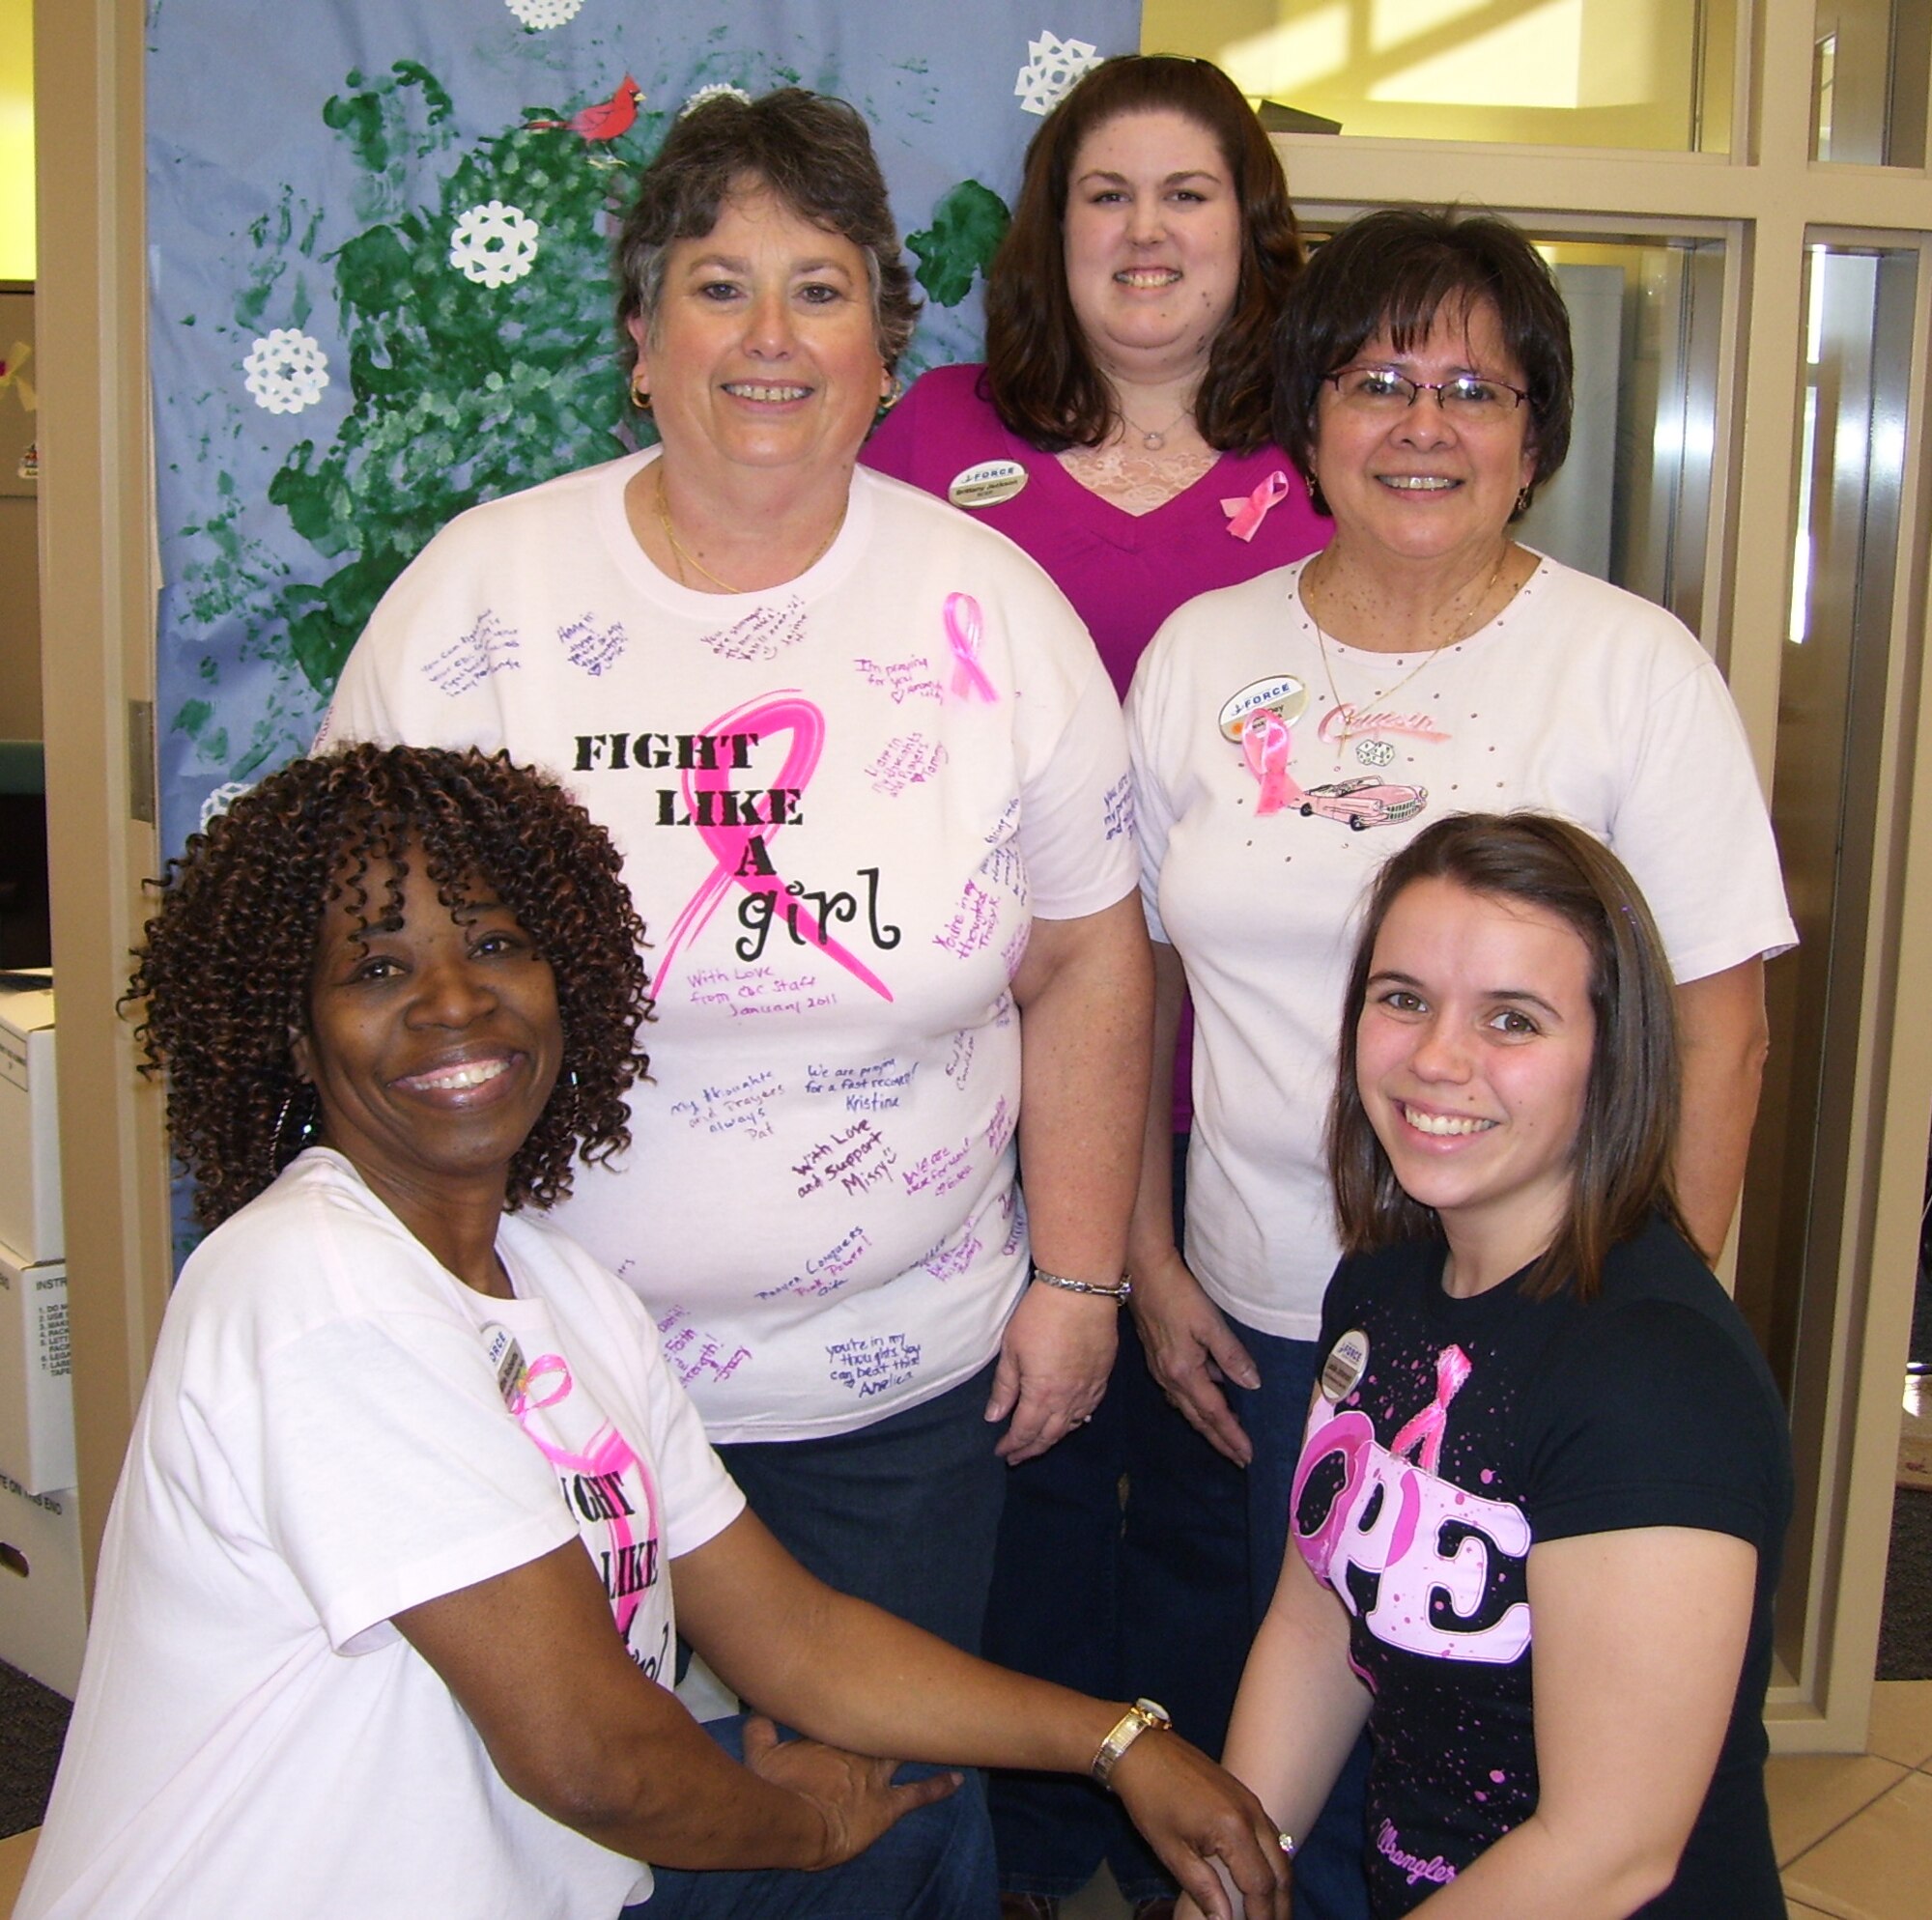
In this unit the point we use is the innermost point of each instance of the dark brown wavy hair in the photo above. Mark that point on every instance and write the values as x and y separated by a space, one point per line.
225 974
1627 1134
1392 272
1040 374
812 152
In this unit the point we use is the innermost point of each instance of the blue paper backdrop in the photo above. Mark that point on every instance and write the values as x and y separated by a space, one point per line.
380 292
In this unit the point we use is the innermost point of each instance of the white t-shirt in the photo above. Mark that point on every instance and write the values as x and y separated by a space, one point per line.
1578 700
322 1444
840 805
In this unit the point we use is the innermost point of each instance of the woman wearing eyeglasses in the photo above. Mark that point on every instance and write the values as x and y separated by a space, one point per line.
1289 733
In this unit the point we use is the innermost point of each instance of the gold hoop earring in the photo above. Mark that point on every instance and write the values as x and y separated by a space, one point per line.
641 391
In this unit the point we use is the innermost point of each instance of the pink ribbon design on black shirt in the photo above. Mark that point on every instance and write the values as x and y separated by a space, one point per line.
1452 1369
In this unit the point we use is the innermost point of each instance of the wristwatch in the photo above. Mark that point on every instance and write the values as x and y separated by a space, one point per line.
1143 1716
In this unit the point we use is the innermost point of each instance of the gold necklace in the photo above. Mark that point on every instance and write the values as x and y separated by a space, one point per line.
1378 752
681 554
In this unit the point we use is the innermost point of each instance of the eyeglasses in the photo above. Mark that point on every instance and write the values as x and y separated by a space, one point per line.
1464 397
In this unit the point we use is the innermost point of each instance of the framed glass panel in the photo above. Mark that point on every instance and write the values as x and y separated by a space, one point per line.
1837 668
1870 64
1652 74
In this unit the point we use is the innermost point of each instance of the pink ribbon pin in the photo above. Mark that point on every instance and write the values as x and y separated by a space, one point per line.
778 713
1426 1428
964 630
1245 516
1265 741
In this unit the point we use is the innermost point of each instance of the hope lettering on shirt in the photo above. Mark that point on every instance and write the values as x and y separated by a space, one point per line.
1391 1520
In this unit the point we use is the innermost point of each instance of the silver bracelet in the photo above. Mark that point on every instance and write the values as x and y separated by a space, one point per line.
1120 1295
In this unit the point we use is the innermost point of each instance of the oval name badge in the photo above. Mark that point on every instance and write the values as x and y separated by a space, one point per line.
1347 1361
990 483
1283 692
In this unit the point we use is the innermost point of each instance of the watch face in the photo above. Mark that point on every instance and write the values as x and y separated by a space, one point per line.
1155 1713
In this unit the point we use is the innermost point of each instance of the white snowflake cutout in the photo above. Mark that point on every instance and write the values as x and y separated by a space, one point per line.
1053 67
494 245
286 370
220 801
718 90
537 14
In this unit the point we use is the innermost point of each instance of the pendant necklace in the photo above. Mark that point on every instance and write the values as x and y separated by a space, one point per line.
1369 750
682 556
1154 439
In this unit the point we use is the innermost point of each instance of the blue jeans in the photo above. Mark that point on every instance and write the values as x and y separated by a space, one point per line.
936 1864
903 1512
1331 1882
1122 1571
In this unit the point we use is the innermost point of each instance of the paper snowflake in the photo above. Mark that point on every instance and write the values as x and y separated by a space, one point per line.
1054 66
718 90
537 14
287 370
220 801
493 244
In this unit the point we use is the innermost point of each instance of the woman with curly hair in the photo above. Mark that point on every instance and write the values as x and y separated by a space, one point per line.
383 1624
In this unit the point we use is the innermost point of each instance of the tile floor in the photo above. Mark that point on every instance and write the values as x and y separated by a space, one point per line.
1854 1831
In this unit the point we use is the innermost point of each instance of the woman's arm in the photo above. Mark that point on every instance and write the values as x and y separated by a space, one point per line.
1639 1641
1189 1347
1724 1037
578 1731
842 1670
1085 999
1300 1706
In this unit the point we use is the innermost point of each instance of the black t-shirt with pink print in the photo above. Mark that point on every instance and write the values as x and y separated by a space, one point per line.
1450 1436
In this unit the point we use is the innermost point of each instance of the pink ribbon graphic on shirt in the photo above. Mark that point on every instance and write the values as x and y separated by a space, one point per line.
964 630
731 845
1245 516
594 1491
1267 742
1426 1428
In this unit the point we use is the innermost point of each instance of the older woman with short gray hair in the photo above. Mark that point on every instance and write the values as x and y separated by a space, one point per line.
871 784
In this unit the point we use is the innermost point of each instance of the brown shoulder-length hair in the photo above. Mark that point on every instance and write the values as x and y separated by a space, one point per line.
812 152
1392 272
1040 374
1627 1134
225 977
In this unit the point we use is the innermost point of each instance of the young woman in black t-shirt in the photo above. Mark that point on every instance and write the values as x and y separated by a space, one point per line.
1536 1405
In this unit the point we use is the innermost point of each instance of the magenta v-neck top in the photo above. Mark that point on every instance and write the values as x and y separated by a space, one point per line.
1125 573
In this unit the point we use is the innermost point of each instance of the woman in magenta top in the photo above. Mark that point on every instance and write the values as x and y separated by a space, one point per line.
1119 431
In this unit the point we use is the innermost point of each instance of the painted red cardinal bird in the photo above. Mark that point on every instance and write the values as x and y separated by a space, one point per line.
607 119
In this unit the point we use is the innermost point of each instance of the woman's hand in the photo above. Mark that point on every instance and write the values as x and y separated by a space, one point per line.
1054 1365
1190 1351
853 1794
1207 1827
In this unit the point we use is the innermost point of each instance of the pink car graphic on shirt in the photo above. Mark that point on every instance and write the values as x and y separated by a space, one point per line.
1363 803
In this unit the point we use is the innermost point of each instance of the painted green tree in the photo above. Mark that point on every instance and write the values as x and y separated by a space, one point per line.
465 384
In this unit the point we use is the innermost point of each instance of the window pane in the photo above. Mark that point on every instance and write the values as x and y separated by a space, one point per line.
1644 322
1825 803
1869 65
1640 74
